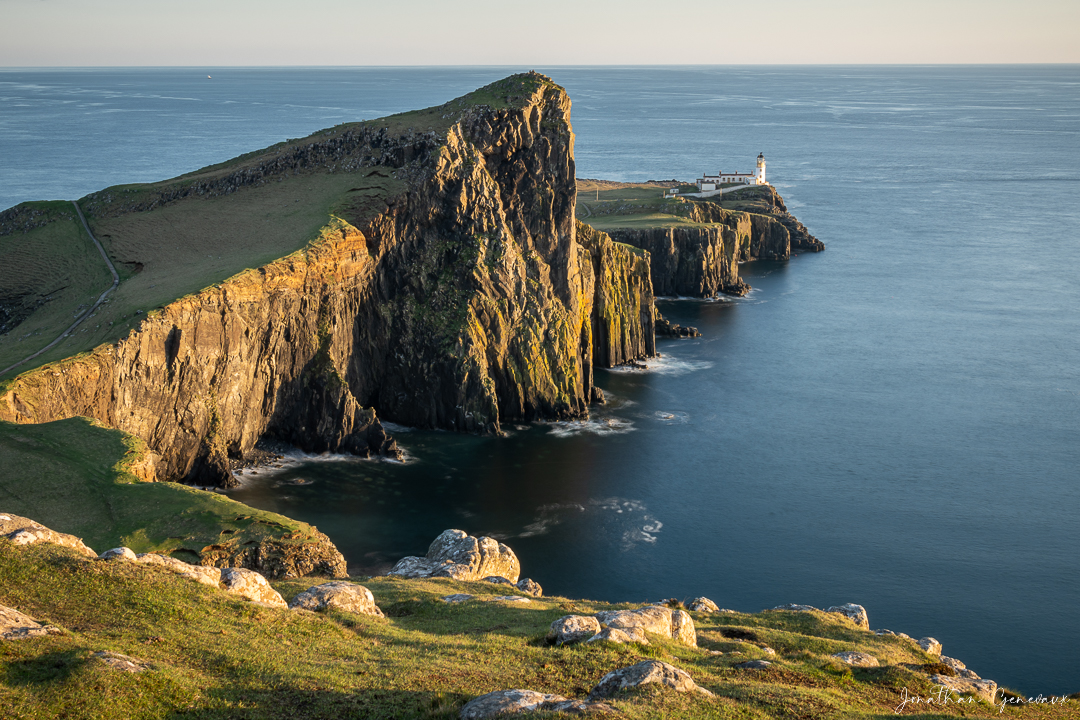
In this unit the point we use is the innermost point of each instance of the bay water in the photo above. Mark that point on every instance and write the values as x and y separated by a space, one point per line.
893 422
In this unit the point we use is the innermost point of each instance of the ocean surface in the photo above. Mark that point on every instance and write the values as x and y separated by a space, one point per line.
893 422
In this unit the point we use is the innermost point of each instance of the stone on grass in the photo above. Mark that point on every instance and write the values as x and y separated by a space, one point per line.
930 646
339 595
511 598
252 586
796 608
646 672
682 628
206 575
857 659
123 663
16 626
512 702
572 628
855 613
617 635
982 689
457 598
118 553
753 664
657 619
960 668
702 604
458 555
498 580
24 531
529 587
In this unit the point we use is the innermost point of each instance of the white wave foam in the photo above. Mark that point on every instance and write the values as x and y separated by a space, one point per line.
634 526
672 417
594 426
666 365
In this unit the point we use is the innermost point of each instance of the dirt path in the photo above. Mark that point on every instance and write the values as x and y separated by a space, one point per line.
88 313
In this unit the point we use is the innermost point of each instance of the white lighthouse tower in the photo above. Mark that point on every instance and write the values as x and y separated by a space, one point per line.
759 173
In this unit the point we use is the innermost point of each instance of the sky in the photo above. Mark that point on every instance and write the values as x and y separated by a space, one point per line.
214 33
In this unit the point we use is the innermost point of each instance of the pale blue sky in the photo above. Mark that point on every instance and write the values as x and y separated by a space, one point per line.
213 33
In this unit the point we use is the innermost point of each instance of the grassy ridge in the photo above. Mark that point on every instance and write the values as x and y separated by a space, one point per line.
74 476
219 657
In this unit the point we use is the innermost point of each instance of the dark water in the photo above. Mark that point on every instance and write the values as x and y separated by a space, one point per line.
894 422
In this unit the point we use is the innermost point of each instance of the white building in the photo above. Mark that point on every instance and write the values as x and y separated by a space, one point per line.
712 182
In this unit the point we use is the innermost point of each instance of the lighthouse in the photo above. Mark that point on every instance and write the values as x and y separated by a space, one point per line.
759 173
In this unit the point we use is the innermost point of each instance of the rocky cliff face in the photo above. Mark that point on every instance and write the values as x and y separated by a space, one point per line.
463 301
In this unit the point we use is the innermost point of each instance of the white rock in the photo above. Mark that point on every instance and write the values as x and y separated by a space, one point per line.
24 531
702 604
123 663
457 598
960 668
512 702
572 628
199 573
339 595
529 587
982 689
619 636
251 585
857 659
855 613
118 553
796 608
930 646
511 598
657 619
458 555
682 628
16 626
647 672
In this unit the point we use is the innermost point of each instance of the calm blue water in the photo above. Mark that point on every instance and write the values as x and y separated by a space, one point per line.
894 422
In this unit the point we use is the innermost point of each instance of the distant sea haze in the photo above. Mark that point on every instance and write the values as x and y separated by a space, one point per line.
893 422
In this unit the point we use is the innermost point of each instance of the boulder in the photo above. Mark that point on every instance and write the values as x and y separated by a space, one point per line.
657 619
572 628
118 553
16 626
960 668
753 664
529 587
930 646
123 663
512 702
206 575
616 635
457 598
857 659
855 613
343 596
251 585
702 604
24 531
510 598
647 672
796 608
982 689
498 580
458 555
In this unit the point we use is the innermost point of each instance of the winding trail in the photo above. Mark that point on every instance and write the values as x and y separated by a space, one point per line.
88 313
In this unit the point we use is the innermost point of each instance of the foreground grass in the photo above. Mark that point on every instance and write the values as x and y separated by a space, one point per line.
75 476
215 656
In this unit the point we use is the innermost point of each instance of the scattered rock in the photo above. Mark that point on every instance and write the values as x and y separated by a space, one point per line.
206 575
16 626
617 635
344 596
118 553
511 702
458 555
24 531
857 659
982 689
511 598
647 672
123 663
767 650
702 604
960 668
657 619
572 628
251 585
498 580
930 646
529 587
457 598
796 608
855 613
753 664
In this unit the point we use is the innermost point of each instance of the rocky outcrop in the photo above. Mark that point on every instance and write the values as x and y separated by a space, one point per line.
646 673
691 261
288 555
529 587
512 702
855 613
985 690
205 575
857 659
343 596
657 619
571 629
621 636
665 328
463 301
118 553
930 645
252 586
14 625
458 555
702 604
24 531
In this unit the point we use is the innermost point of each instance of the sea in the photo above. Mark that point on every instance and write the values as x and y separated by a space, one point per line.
893 422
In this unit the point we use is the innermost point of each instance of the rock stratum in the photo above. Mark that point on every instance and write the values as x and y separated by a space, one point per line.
451 287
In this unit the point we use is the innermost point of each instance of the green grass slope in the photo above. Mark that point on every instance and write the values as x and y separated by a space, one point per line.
608 205
216 656
75 477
